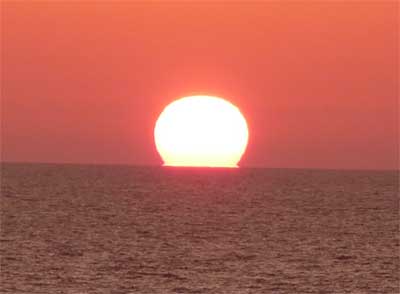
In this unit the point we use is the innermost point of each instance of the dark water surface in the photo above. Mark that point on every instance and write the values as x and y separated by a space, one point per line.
114 229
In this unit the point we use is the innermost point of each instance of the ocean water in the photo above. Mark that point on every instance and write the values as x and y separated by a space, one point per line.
118 229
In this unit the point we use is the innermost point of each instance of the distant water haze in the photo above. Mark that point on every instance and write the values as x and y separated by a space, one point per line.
115 229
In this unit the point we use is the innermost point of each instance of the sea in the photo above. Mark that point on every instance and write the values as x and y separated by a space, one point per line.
80 229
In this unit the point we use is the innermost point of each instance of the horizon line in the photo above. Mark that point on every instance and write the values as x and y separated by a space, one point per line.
161 165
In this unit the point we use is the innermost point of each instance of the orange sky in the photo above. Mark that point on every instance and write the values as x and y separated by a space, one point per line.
318 83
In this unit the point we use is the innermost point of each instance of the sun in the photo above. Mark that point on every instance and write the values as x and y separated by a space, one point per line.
202 131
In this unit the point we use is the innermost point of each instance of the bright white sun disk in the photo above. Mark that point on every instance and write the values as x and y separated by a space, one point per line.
201 131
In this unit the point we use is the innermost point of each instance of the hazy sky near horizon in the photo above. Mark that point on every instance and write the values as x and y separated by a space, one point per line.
317 82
